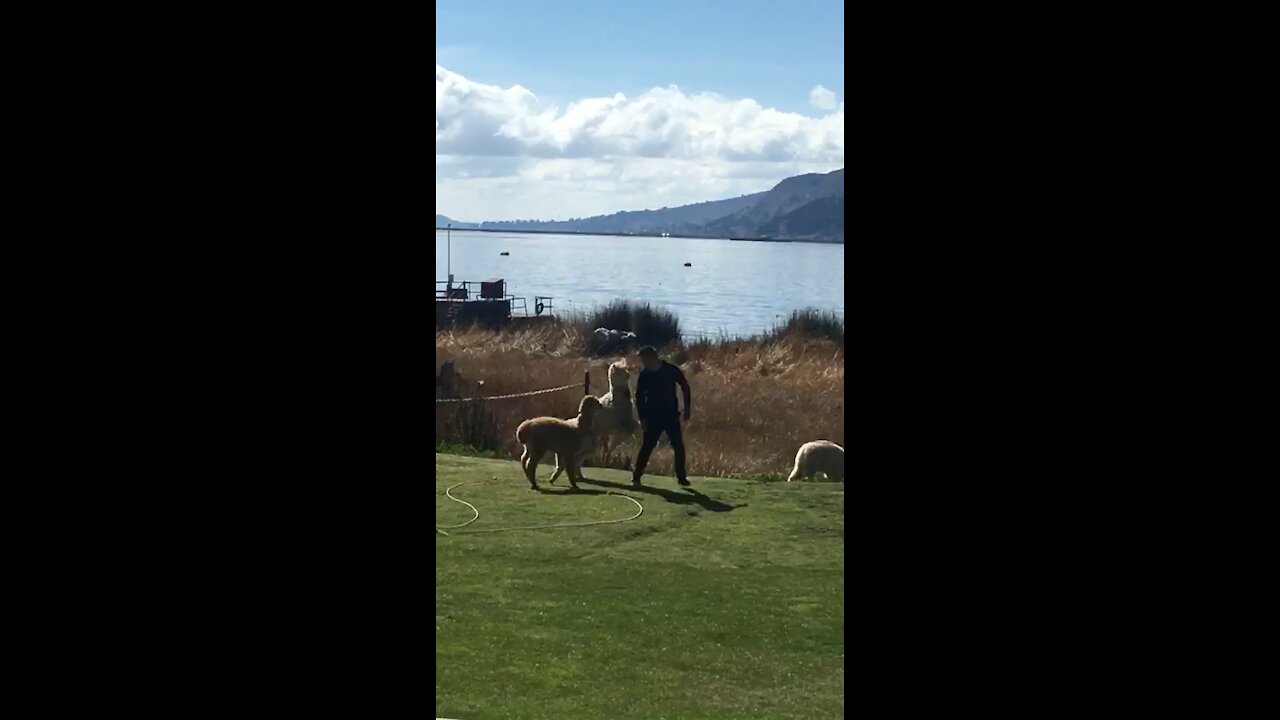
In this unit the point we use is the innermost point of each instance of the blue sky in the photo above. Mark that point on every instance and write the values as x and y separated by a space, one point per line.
717 53
773 52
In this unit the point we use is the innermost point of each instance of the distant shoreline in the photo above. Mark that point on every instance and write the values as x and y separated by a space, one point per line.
619 234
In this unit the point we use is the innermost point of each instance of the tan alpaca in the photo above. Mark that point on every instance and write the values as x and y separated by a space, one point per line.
570 440
819 456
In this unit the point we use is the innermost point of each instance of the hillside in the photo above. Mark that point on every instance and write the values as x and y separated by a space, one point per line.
804 207
683 220
823 218
817 202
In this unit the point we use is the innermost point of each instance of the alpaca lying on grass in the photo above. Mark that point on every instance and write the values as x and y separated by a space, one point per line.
819 456
617 421
570 440
615 334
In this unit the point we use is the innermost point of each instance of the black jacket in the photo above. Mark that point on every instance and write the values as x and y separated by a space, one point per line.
656 392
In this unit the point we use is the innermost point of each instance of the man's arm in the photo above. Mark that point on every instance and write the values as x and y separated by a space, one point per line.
642 396
684 388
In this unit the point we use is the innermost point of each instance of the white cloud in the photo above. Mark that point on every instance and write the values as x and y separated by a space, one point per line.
822 98
502 154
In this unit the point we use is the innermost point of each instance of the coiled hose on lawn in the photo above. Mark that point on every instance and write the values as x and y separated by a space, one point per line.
449 494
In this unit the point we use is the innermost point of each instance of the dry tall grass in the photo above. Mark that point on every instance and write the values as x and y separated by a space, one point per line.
754 401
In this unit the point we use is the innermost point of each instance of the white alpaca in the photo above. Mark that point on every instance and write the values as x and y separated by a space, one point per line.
819 456
617 422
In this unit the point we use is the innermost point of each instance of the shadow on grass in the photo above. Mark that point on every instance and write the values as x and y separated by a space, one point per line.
689 496
561 490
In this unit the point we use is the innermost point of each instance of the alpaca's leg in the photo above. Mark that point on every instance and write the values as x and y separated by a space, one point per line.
797 468
559 468
604 449
589 445
625 440
526 461
834 468
531 469
577 464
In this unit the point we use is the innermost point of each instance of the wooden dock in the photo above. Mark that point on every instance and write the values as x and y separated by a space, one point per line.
490 313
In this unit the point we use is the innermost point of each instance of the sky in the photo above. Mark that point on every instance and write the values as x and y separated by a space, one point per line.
554 109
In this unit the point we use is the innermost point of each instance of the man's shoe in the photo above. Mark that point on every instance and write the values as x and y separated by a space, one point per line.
684 483
635 482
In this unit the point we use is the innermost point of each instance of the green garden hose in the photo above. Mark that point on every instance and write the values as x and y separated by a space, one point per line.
449 494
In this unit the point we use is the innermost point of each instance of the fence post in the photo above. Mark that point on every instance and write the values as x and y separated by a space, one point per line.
586 383
474 432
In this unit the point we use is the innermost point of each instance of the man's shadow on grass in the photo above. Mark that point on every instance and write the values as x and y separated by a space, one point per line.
688 496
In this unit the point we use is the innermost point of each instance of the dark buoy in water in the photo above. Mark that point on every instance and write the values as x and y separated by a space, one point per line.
504 253
688 264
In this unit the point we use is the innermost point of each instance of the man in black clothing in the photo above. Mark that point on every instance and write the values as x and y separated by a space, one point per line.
656 406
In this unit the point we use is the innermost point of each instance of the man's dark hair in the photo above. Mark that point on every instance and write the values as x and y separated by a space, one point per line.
648 351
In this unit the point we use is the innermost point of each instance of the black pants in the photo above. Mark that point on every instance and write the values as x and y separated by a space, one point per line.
670 426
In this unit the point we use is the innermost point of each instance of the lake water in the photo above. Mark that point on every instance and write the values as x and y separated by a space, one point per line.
734 288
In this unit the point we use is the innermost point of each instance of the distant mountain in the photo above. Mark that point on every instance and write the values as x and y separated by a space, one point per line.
442 221
683 220
804 207
817 220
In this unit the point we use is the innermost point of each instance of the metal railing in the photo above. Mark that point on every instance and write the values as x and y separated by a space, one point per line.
469 290
458 290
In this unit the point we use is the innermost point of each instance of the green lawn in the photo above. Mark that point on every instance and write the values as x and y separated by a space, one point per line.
728 603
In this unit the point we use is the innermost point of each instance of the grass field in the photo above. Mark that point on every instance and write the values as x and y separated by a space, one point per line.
724 602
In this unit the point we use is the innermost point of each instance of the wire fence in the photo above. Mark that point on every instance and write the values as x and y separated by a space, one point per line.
510 395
